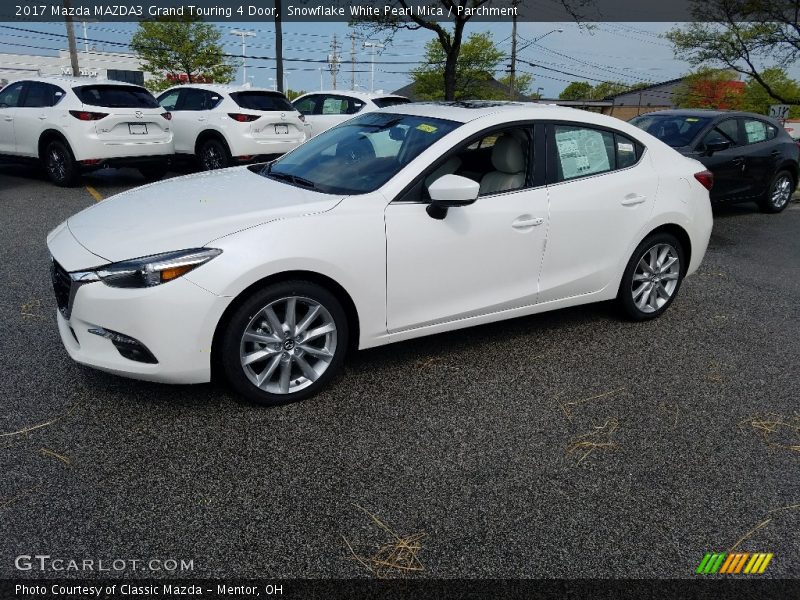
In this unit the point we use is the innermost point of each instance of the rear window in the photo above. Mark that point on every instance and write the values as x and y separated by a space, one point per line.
390 101
261 101
116 96
673 130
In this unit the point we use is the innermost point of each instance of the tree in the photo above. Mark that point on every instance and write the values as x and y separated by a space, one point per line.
745 35
610 88
757 100
710 88
522 84
478 61
181 49
577 90
449 40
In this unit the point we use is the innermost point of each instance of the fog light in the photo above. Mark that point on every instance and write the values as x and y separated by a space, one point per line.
128 347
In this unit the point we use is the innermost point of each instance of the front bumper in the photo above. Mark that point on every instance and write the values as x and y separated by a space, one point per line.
175 321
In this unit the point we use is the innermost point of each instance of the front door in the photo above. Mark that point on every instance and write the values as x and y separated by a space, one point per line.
9 101
481 258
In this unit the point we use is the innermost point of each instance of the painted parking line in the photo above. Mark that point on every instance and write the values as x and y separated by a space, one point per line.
94 193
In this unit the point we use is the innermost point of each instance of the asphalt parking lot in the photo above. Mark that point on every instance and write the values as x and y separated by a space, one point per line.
570 444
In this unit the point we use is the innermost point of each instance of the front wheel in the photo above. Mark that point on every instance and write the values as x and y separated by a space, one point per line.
285 342
778 194
652 277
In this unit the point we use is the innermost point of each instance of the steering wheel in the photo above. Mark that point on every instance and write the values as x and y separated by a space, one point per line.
356 151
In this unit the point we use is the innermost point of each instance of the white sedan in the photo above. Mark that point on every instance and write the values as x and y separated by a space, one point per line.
323 110
470 213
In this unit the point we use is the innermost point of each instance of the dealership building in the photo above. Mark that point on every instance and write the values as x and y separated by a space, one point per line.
117 66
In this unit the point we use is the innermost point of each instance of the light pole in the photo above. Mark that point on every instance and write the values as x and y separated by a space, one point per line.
286 82
243 34
274 83
372 46
321 84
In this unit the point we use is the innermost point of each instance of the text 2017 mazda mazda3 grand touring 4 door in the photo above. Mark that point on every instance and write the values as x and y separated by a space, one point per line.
399 223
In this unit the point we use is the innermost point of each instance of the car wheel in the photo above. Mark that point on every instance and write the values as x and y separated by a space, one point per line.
652 277
60 165
153 173
213 155
779 193
284 343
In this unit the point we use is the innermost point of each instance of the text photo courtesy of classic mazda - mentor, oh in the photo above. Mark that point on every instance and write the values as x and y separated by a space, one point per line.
274 271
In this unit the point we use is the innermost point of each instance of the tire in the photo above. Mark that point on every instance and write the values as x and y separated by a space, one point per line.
59 164
213 154
644 295
154 173
276 370
778 194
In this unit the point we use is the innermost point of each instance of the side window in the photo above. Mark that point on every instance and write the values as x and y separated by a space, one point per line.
582 151
500 161
169 99
627 150
306 105
9 97
754 131
212 100
193 100
334 105
355 106
37 95
725 131
772 132
56 94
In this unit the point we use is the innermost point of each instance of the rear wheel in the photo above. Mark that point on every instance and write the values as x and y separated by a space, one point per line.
285 342
779 193
213 154
60 165
652 277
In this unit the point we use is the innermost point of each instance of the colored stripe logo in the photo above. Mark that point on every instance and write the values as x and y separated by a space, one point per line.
734 563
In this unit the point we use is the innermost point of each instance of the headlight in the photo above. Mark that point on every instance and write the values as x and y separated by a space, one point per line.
148 270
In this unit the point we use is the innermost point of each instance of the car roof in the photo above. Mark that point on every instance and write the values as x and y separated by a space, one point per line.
354 94
223 89
74 81
704 112
465 111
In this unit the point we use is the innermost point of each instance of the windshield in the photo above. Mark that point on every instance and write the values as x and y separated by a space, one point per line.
360 155
673 130
116 96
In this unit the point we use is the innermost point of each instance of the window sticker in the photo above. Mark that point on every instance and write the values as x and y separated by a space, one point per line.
582 152
426 128
756 131
625 147
692 119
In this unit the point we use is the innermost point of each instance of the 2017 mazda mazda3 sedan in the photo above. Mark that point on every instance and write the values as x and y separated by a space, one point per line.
399 223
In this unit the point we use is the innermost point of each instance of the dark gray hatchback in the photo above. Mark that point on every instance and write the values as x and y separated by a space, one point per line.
752 157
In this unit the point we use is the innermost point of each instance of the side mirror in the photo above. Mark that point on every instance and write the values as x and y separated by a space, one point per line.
712 147
450 191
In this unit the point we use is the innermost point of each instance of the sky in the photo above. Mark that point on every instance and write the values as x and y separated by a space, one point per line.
628 52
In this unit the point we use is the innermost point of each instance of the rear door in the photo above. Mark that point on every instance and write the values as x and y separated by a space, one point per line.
602 188
192 115
133 114
10 98
761 155
34 115
728 165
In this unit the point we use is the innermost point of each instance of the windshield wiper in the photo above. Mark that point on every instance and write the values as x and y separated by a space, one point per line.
291 178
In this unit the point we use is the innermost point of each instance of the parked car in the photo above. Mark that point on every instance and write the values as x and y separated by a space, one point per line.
222 125
72 125
751 156
486 211
324 110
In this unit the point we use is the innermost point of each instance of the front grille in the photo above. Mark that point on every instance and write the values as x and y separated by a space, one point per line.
62 284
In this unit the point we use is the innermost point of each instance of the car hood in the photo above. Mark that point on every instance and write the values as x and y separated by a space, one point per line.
189 212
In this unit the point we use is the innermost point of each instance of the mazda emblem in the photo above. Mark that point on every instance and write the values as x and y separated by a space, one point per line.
139 114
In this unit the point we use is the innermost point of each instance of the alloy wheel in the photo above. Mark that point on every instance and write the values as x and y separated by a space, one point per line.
781 192
288 345
655 278
57 164
212 157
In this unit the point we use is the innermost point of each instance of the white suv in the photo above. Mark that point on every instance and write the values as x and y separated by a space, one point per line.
78 124
223 125
324 110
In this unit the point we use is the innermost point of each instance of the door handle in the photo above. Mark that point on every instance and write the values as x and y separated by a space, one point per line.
633 200
201 118
739 160
42 117
526 222
9 119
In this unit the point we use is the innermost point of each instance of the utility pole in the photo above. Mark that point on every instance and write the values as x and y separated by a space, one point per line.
333 60
73 49
372 46
244 35
278 44
353 37
512 76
